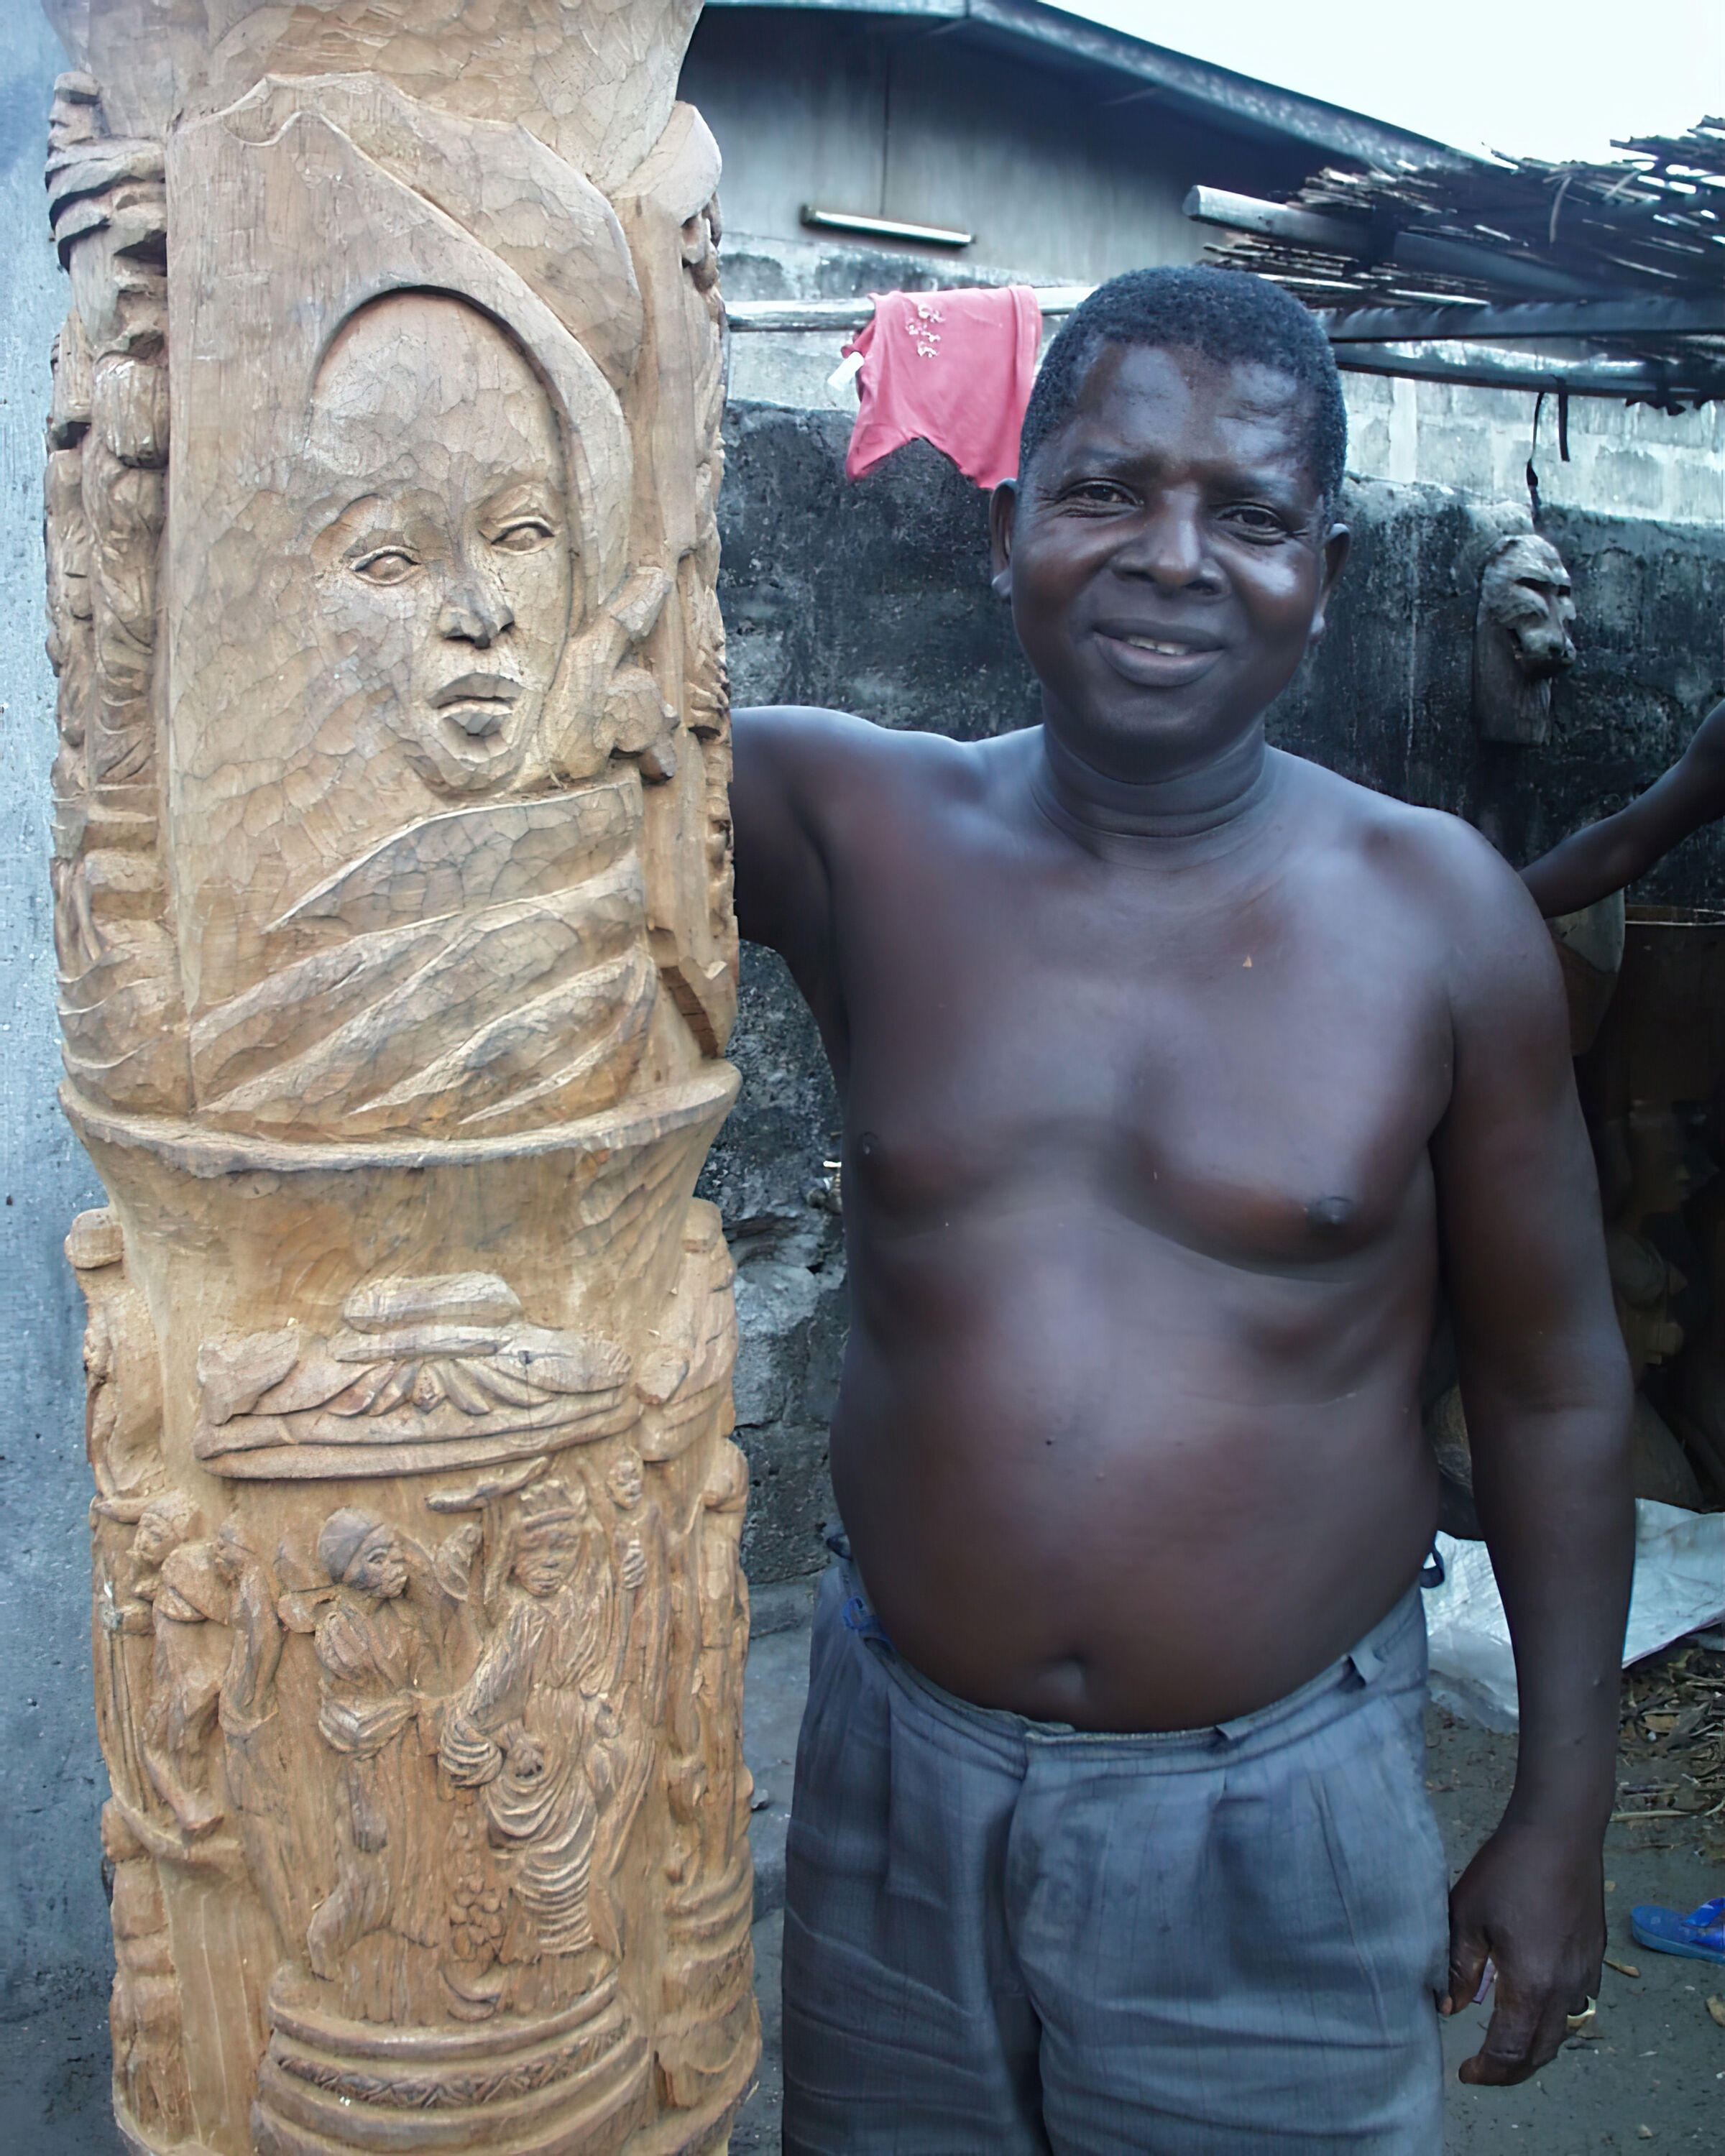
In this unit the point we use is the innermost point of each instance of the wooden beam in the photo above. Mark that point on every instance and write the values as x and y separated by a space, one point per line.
1356 239
1632 315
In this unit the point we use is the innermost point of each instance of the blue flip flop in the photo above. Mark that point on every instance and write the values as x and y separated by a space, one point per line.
1698 1937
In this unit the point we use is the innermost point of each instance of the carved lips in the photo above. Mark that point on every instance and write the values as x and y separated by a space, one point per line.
477 703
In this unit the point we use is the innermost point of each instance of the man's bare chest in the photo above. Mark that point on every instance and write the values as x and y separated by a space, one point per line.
1261 1080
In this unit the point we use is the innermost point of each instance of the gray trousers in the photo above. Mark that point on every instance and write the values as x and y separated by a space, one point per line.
1006 1937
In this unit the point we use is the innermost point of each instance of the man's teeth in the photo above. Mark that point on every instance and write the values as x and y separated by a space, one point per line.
1151 643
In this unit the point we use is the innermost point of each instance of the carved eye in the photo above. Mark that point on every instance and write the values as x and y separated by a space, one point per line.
526 535
385 565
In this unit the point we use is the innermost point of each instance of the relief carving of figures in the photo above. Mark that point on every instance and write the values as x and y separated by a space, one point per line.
709 2017
641 1570
144 2017
190 1613
120 1005
426 1371
397 959
379 1642
532 1732
444 938
128 1580
122 1423
710 1785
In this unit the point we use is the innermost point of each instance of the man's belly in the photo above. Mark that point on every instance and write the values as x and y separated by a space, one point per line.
1098 1479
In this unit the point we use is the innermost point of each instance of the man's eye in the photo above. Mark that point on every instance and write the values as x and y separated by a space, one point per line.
384 565
1257 523
526 535
1098 493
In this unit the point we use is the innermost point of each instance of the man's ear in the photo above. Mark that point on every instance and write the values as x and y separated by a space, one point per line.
1003 507
1336 548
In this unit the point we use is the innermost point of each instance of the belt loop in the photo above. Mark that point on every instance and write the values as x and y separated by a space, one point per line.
1367 1661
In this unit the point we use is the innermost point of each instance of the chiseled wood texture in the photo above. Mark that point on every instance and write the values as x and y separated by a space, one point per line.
397 961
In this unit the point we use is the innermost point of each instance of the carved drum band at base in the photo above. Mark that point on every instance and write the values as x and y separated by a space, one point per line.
396 963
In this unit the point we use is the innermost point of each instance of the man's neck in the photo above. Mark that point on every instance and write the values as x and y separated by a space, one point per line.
1093 807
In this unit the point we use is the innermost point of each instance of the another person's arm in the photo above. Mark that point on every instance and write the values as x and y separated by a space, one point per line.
1602 858
1545 1387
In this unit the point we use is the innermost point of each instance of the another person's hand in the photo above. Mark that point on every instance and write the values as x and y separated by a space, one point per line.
1533 1901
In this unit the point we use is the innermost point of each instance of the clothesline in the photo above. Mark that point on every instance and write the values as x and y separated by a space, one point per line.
1433 344
853 313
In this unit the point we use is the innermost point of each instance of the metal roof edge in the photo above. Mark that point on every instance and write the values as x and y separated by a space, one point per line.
1260 106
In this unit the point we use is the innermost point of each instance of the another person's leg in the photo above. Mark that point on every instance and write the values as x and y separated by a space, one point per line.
907 2028
1233 1938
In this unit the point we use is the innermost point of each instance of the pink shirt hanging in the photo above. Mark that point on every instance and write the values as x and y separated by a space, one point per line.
953 368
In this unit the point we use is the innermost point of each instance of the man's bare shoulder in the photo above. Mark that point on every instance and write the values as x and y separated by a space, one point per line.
835 763
1483 926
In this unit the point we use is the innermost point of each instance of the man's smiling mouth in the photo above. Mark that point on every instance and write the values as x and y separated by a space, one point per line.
1156 662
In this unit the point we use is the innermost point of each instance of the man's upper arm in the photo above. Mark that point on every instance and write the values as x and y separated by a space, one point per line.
1518 1193
788 764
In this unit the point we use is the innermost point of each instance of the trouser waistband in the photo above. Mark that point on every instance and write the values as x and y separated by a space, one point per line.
1390 1656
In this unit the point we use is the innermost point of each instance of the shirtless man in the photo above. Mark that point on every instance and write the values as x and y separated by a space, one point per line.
1173 1069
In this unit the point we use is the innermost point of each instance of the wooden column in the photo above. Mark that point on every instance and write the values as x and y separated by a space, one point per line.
392 908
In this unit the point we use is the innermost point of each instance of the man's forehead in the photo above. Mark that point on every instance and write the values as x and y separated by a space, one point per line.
1143 399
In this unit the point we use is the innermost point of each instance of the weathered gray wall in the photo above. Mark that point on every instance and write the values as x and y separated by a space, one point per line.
873 597
1038 159
52 1922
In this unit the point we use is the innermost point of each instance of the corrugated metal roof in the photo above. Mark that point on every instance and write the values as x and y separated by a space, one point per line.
1194 86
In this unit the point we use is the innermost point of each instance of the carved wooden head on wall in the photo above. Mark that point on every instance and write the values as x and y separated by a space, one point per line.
1522 639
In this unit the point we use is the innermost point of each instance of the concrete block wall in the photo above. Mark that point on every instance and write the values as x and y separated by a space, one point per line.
1625 461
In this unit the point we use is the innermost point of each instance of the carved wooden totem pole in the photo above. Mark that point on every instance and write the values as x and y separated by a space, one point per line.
396 959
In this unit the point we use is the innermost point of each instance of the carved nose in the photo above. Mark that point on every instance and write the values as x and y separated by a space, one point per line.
471 614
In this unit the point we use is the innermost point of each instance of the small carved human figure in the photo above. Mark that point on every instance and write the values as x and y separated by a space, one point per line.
122 1421
377 1648
709 1787
530 1733
257 1773
189 1611
640 1561
144 2017
1522 639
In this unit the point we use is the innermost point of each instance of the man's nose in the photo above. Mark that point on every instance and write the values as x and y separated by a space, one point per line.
475 610
1167 544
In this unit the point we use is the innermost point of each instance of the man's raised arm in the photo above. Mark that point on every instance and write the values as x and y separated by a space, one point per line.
1545 1382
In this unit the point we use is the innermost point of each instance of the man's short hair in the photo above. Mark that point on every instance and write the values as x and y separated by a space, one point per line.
1230 316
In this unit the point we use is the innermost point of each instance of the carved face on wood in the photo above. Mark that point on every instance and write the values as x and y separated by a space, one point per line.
547 1550
440 542
1526 593
626 1482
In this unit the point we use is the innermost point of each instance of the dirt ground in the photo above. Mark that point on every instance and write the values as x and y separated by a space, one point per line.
1653 2071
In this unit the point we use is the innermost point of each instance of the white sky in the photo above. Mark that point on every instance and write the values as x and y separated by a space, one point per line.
1531 80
